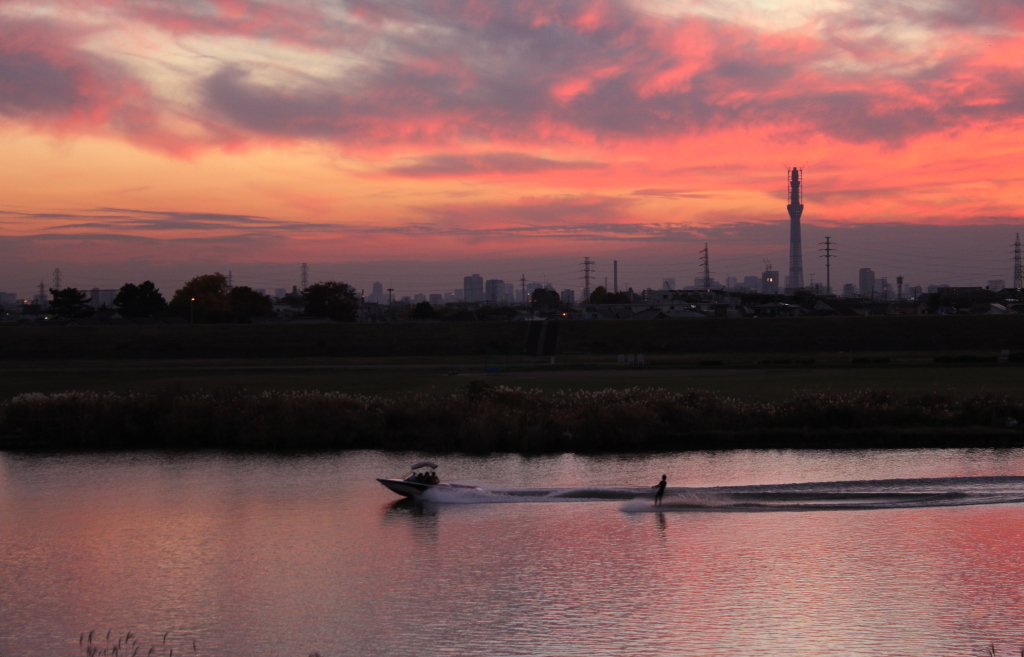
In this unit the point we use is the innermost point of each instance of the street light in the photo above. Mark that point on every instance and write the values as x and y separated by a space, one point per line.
192 311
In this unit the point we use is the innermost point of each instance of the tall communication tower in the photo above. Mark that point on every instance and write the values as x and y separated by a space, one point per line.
796 210
304 276
706 264
1018 271
587 264
230 280
56 279
828 262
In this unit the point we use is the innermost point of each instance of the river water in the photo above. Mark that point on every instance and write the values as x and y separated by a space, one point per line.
753 553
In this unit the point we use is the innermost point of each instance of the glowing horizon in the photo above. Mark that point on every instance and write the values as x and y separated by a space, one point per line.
159 139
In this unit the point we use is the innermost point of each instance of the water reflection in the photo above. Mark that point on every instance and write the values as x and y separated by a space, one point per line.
280 556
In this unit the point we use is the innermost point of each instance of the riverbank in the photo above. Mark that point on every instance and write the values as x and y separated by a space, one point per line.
483 418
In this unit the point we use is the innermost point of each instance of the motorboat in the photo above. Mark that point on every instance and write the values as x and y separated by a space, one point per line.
410 487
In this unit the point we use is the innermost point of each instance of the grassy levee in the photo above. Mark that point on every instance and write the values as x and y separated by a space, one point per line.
433 386
486 418
448 339
797 335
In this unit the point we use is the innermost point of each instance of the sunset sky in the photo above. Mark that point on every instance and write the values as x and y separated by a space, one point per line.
418 141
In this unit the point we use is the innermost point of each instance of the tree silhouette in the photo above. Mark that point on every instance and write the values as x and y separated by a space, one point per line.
598 295
332 299
69 303
247 303
212 301
143 300
423 310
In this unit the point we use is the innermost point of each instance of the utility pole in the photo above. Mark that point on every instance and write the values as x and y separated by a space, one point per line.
587 264
828 262
56 279
304 276
615 275
1018 271
706 262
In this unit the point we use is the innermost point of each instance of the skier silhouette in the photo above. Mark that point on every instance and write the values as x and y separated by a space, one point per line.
658 494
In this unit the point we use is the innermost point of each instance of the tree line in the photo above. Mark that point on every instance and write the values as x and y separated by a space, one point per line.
210 299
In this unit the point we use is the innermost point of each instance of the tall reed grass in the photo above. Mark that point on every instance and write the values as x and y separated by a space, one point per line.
484 418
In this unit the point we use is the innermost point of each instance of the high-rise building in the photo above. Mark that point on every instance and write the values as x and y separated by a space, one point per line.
849 290
568 297
100 298
769 282
473 287
280 292
436 299
494 291
796 210
997 285
752 283
731 283
867 282
377 296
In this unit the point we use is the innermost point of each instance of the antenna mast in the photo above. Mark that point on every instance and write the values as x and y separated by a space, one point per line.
1018 271
587 264
304 276
705 261
828 262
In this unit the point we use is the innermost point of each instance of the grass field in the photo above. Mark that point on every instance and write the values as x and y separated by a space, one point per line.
395 377
725 356
685 337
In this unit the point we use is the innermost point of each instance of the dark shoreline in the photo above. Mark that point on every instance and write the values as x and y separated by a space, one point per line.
838 439
485 419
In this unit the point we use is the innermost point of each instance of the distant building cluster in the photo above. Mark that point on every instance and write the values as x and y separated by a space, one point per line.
769 294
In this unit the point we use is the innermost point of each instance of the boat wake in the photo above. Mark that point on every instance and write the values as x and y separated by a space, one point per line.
841 495
816 496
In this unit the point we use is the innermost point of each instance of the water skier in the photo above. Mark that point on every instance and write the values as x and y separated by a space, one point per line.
658 494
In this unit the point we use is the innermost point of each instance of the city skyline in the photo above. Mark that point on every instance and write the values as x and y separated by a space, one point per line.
165 140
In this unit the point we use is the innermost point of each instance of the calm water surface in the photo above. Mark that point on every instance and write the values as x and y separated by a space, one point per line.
260 555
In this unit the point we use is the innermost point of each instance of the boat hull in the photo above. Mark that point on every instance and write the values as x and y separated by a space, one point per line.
414 489
405 488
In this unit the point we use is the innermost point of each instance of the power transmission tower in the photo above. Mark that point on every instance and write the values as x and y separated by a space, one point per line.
230 279
899 289
1018 271
587 264
522 282
706 263
42 294
56 279
828 262
304 276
